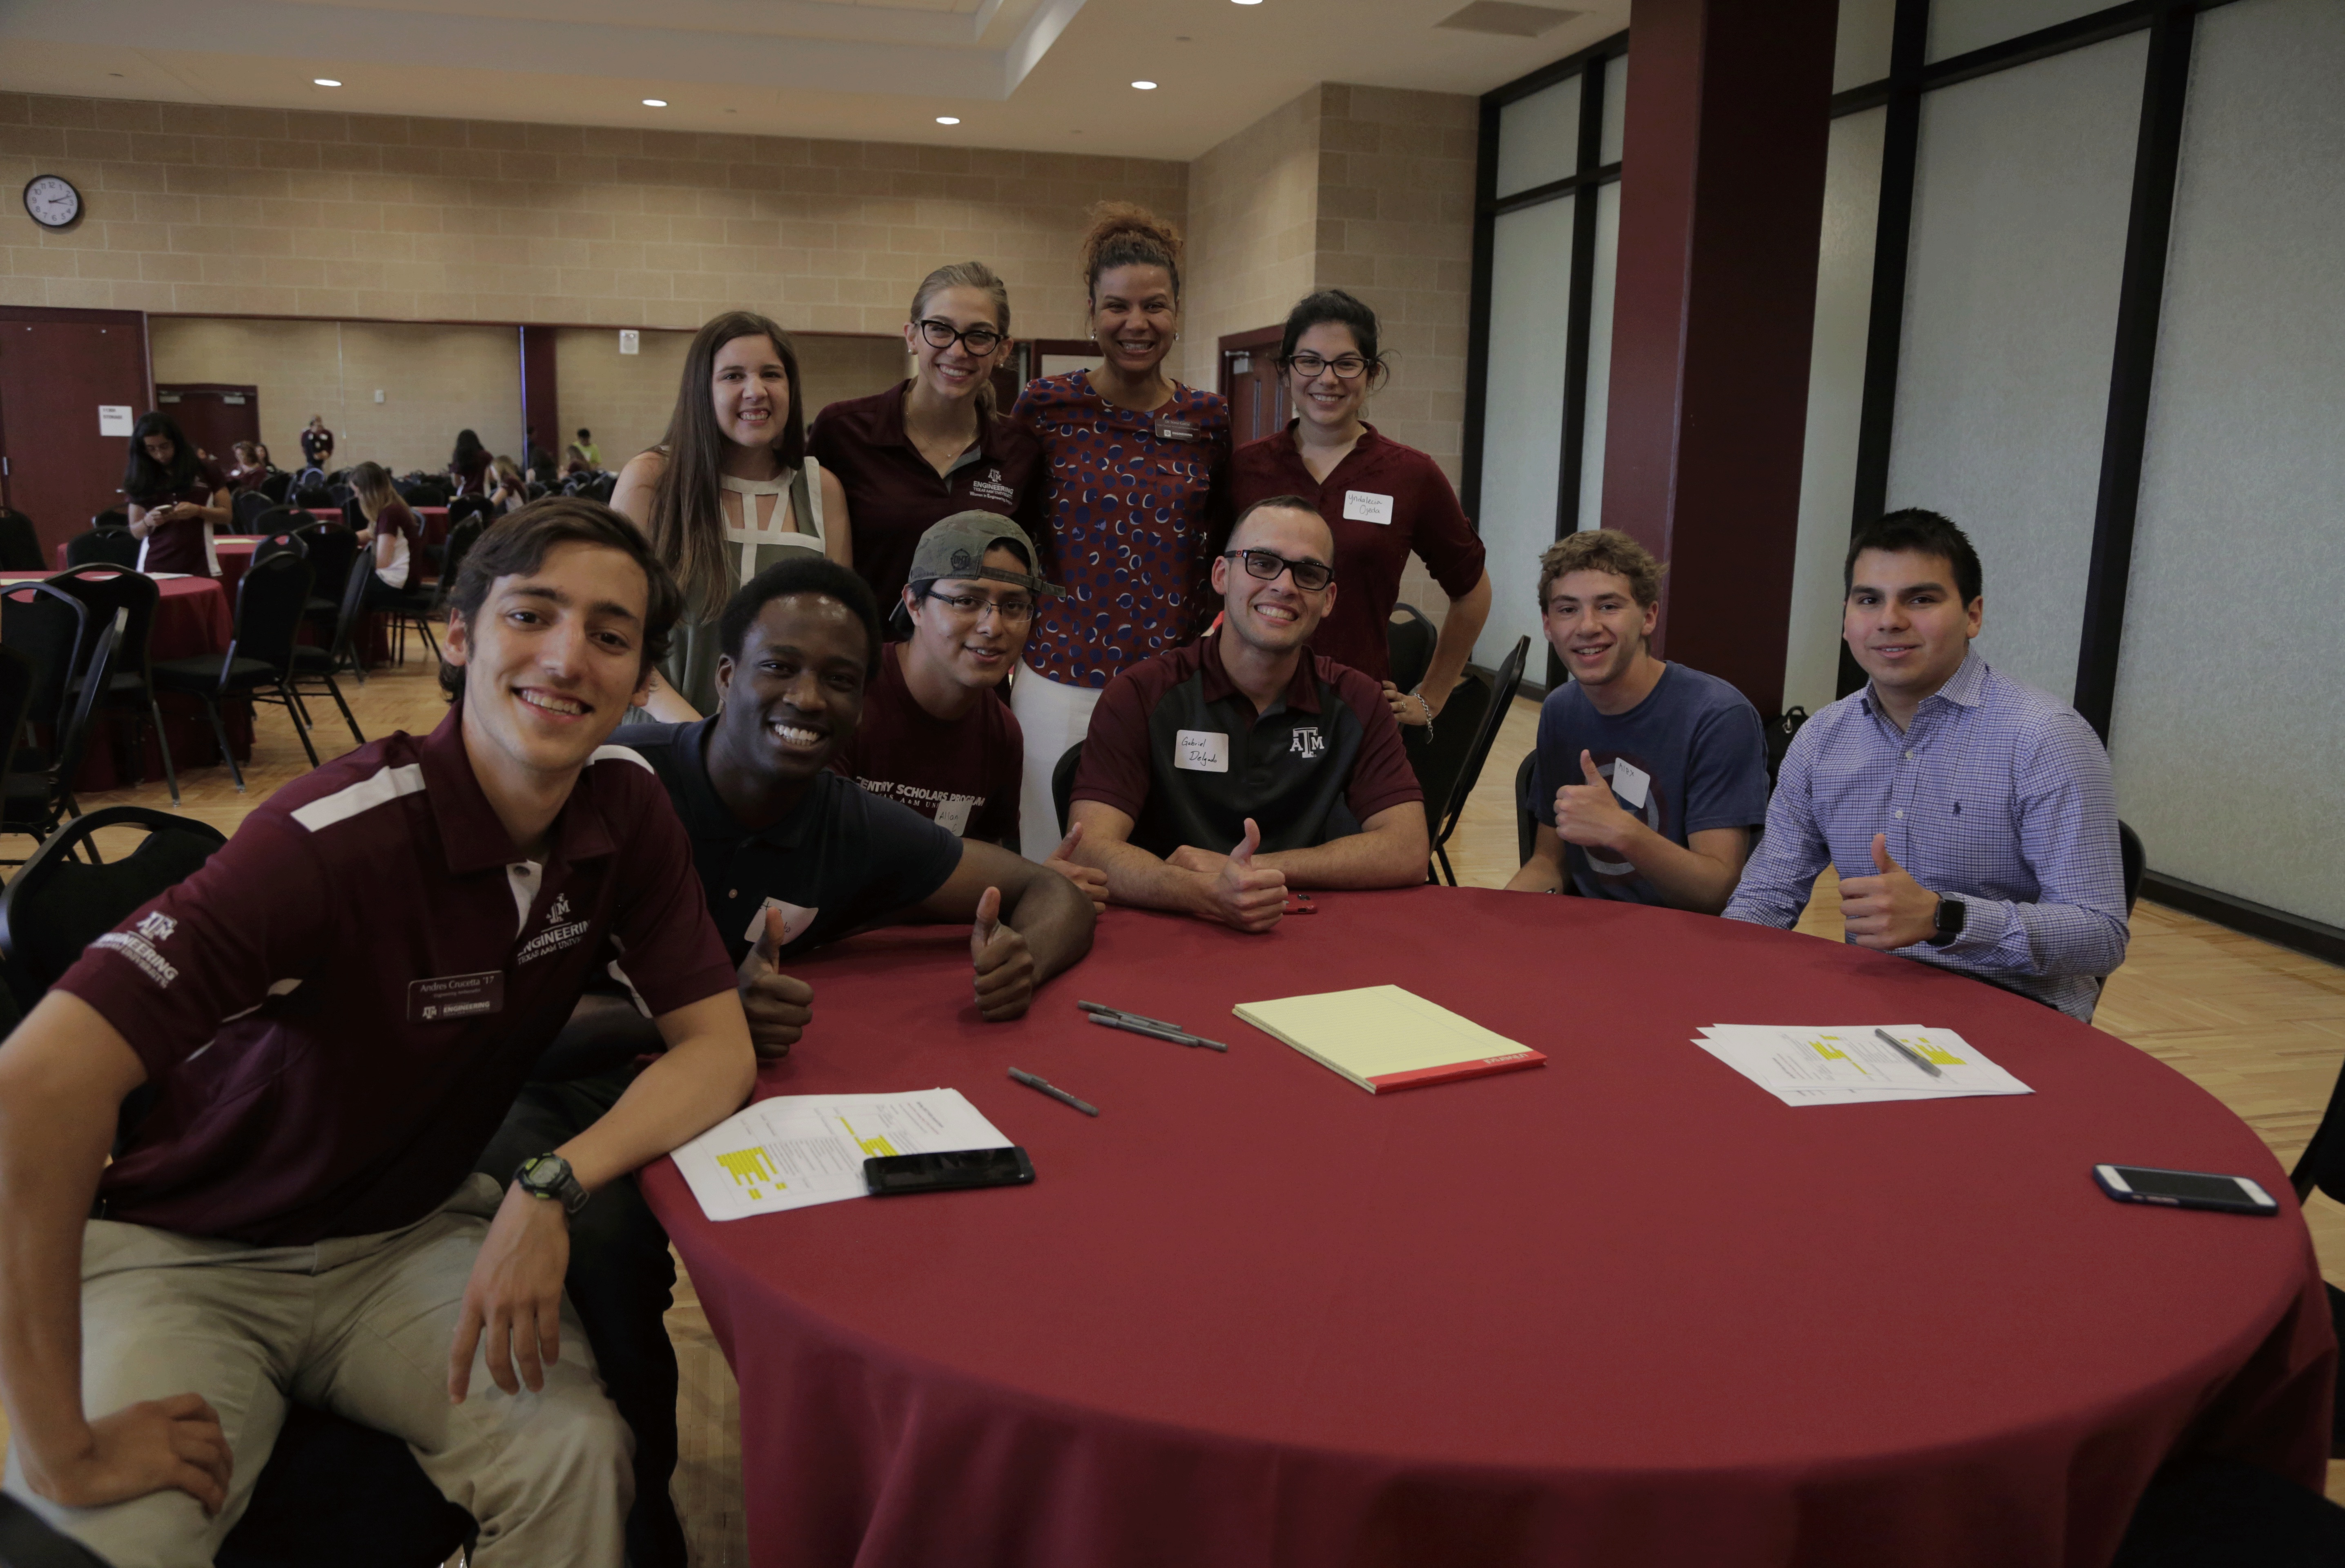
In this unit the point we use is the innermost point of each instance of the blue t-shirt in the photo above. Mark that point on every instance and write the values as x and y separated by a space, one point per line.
1698 738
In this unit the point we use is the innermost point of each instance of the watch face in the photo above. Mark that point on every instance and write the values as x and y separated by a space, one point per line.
53 202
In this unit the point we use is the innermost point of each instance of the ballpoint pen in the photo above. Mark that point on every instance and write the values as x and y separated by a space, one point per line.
1053 1090
1911 1055
1135 1023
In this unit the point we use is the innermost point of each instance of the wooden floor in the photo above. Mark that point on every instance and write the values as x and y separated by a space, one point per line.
2259 1027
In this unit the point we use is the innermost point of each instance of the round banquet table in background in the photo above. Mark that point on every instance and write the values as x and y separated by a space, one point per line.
191 617
1623 1308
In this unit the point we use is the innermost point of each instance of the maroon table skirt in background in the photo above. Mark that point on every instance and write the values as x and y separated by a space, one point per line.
1624 1309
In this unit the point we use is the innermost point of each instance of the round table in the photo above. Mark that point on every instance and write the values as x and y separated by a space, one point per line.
1625 1307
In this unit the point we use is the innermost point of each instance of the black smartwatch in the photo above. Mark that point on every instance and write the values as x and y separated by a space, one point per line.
548 1175
1947 922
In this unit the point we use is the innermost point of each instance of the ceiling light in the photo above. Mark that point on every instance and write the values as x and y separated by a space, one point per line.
324 82
1246 2
654 103
947 119
1145 87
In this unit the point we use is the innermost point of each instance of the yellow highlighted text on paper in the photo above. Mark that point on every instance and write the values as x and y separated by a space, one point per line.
873 1147
750 1168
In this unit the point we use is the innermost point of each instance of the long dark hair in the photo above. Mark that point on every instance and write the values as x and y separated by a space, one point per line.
469 456
1333 307
144 477
687 519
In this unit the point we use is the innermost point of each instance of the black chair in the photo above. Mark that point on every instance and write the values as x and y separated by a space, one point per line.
313 498
276 520
277 486
2228 1514
1525 819
333 550
288 542
258 663
27 1542
421 605
1062 783
109 546
2133 859
1408 645
1495 700
20 545
332 1491
112 517
18 675
39 789
314 666
248 507
105 589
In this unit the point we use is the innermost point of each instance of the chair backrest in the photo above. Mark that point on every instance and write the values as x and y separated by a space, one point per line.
276 520
288 543
339 491
73 732
16 677
109 546
1526 818
248 508
1502 697
49 628
55 904
1408 644
277 486
112 517
20 545
107 588
314 497
2133 859
346 616
460 539
333 550
1062 783
269 604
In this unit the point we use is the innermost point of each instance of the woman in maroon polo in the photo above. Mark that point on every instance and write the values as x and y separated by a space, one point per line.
1139 501
934 444
176 499
468 465
1384 501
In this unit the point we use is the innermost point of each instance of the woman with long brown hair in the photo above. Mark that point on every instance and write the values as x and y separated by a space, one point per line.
393 535
727 488
1139 467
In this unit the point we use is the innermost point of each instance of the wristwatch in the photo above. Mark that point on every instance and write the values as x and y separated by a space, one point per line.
1947 922
548 1175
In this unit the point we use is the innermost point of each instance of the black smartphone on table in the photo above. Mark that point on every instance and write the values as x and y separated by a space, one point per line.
2184 1189
891 1175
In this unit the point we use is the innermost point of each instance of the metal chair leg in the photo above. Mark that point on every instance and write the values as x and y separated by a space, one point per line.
301 728
163 742
228 753
1442 854
345 707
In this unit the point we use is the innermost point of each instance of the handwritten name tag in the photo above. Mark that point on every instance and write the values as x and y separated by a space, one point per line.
1202 751
1630 783
1366 506
795 921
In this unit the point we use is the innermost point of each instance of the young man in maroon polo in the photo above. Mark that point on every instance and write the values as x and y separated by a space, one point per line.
1246 738
935 735
334 1014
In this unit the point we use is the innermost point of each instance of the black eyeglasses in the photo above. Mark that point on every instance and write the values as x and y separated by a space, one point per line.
978 339
973 606
1347 367
1309 575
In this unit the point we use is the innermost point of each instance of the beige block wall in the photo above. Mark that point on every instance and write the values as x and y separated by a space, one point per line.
435 382
1252 232
203 209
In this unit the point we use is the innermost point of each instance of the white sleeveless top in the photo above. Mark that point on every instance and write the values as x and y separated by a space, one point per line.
758 513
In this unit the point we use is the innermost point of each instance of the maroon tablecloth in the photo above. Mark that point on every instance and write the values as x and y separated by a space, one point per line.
1625 1308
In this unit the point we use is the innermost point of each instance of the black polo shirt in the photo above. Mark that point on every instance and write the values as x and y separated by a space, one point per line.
1179 749
840 860
893 495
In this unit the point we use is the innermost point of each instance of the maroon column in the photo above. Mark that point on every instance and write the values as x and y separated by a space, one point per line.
1722 206
541 421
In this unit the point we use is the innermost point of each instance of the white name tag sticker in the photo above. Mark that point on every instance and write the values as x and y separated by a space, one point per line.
952 816
794 922
1201 750
1366 506
1630 783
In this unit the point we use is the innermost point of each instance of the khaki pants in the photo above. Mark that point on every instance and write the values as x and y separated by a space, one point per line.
360 1326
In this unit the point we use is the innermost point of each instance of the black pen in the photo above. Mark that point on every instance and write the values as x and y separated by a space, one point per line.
1911 1055
1133 1023
1135 1017
1053 1090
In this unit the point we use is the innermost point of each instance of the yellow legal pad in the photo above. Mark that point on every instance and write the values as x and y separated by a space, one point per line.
1382 1037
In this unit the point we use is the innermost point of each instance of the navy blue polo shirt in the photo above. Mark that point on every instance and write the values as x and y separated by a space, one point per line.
841 859
1174 745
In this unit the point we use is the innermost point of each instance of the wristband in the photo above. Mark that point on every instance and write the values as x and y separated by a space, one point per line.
1425 707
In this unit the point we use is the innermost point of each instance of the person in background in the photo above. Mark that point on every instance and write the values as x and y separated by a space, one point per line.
539 462
1382 500
934 444
507 489
589 450
1972 818
267 464
727 490
249 467
393 535
468 465
1220 774
177 501
574 462
316 443
935 734
1139 502
1650 775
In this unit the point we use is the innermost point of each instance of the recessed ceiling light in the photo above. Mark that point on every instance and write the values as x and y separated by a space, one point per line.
324 82
1246 2
1145 87
654 103
947 119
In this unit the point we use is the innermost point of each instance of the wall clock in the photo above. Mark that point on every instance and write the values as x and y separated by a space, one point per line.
52 200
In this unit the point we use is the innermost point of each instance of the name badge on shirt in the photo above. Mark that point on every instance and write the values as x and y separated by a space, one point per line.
952 816
1202 751
794 922
1178 429
1366 506
451 997
1630 783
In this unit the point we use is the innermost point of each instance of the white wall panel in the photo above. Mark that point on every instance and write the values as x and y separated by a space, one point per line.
2021 193
1835 405
1538 137
1600 280
1616 109
2228 733
1861 53
1522 419
1958 26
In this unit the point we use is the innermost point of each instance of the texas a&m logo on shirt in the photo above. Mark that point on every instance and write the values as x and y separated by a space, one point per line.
1306 744
560 932
991 488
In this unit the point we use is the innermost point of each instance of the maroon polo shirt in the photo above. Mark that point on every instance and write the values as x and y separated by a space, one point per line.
893 495
1174 745
179 546
337 1010
961 774
1385 501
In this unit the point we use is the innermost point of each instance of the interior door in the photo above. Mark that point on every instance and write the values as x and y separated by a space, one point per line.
1259 405
57 370
212 416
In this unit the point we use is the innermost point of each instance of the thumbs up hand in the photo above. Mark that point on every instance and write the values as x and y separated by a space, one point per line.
1888 910
1003 966
779 1008
1090 879
1589 816
1245 896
